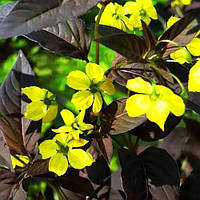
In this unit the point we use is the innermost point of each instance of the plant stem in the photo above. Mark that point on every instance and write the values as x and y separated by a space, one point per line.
135 148
96 31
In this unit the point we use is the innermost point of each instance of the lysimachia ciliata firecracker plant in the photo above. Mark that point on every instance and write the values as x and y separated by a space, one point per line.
157 75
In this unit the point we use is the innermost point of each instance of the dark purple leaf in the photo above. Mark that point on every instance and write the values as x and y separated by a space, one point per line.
153 174
128 45
115 119
5 10
150 131
34 15
108 31
148 36
190 188
182 32
20 134
60 39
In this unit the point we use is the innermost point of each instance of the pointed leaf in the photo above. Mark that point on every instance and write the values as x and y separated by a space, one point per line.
148 36
129 45
33 15
5 10
182 32
20 134
109 30
115 119
60 39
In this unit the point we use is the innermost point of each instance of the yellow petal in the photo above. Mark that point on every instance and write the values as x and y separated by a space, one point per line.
176 104
139 85
194 78
78 80
50 114
35 111
82 100
181 56
17 162
34 93
193 47
62 129
85 127
151 12
80 116
75 134
107 86
79 159
48 148
172 20
68 117
62 138
77 143
94 72
137 105
158 112
97 105
58 164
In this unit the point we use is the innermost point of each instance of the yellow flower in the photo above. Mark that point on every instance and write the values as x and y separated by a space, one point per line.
140 10
43 104
172 20
91 85
73 126
114 15
182 55
180 3
17 162
193 46
61 150
194 78
156 101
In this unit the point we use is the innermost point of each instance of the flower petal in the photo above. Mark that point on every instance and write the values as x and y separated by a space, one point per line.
172 20
78 80
34 93
48 148
94 72
97 105
139 85
137 105
62 129
194 78
80 116
35 111
62 138
193 47
158 112
107 86
50 114
82 99
68 117
58 164
79 159
85 127
16 162
77 143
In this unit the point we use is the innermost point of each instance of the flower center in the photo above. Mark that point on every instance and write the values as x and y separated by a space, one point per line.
49 100
154 95
143 13
62 148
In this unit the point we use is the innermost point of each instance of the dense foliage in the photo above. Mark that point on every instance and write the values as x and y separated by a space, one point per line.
86 87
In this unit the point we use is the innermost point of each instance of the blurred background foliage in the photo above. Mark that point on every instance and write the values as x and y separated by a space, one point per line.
51 71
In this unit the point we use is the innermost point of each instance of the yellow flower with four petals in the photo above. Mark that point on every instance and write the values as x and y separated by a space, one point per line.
91 86
43 105
73 126
156 101
17 162
62 150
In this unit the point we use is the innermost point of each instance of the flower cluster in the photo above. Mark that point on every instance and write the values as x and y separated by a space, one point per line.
130 15
184 54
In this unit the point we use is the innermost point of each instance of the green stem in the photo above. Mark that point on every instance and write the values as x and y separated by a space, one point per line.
135 148
169 41
183 94
96 31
